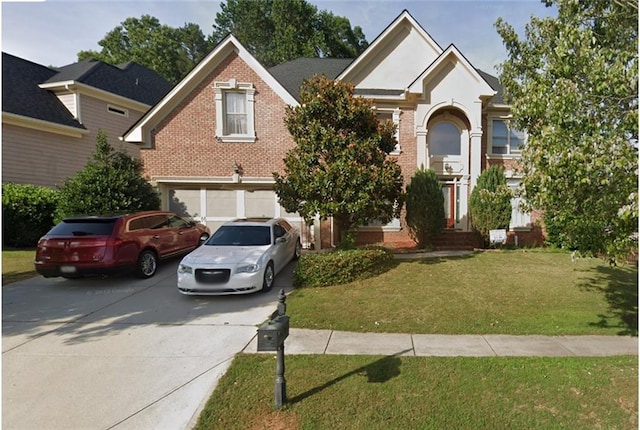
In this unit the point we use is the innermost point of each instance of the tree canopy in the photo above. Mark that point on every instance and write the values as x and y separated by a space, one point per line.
572 81
171 52
339 167
490 202
277 31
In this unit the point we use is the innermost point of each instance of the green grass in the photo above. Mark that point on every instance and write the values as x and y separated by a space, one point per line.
501 292
367 392
17 265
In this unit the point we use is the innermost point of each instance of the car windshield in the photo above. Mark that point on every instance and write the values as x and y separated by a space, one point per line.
84 227
241 235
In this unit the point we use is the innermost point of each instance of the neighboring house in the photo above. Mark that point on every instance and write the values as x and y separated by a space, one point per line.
212 144
50 117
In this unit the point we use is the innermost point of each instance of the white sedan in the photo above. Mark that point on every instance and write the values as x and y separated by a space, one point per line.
242 256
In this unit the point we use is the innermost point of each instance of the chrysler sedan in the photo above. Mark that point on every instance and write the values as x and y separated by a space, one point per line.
242 256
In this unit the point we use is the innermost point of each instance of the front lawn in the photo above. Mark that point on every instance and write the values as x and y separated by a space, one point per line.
495 292
367 392
17 264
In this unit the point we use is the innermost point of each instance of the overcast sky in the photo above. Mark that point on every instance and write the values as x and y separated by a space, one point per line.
52 32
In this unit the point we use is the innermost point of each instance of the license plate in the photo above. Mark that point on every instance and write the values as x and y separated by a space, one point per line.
67 269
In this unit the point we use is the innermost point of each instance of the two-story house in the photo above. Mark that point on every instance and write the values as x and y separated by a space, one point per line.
50 117
212 143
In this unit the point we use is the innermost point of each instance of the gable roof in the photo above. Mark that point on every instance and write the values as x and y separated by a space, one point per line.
22 96
28 88
129 80
404 41
291 74
417 85
226 47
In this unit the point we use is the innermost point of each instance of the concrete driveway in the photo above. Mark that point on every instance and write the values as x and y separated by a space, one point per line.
119 353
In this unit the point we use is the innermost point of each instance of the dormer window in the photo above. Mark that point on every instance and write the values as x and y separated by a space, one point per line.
234 111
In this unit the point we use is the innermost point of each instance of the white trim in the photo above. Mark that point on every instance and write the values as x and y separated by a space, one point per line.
363 58
249 90
417 86
140 132
83 89
41 125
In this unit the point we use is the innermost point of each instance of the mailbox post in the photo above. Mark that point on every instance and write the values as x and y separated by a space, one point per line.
271 336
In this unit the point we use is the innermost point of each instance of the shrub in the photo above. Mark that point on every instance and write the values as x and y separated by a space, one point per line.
323 269
110 183
490 202
27 213
425 207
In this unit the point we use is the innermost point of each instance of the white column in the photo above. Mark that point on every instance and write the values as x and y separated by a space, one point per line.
203 205
476 156
423 151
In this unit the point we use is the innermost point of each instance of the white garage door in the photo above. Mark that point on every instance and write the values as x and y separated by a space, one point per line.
213 207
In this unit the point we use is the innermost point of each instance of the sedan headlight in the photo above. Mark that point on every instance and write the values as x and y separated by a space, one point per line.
248 268
185 269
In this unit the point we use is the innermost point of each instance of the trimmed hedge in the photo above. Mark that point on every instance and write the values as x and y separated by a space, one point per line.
27 214
322 269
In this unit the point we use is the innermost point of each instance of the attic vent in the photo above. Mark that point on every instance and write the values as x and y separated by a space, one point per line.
118 111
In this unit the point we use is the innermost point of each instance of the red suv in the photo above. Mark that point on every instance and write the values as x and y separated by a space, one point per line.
113 244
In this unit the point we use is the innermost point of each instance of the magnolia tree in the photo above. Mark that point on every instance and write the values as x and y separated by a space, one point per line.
339 167
572 82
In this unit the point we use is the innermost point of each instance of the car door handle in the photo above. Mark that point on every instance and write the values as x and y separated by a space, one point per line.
155 236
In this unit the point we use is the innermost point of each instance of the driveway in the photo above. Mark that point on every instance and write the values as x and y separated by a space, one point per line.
119 353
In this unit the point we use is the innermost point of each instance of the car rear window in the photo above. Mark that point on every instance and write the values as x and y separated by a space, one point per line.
241 235
84 227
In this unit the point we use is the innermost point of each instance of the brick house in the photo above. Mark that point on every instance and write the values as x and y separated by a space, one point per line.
50 117
211 144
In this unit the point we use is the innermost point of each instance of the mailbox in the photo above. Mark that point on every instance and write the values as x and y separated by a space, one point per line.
272 334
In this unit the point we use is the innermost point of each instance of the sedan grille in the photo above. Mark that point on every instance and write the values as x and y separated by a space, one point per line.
212 276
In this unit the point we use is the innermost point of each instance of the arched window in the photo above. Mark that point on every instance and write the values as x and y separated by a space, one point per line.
444 139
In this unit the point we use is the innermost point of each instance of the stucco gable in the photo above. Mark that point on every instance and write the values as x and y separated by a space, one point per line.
452 68
394 59
139 132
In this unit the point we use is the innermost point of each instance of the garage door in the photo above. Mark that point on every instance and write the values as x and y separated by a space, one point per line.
213 207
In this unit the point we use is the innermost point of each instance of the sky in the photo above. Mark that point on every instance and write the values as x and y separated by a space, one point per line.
52 32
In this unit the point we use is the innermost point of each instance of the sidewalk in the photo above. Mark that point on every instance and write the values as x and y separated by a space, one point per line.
305 341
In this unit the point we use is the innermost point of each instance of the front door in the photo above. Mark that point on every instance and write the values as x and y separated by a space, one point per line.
448 191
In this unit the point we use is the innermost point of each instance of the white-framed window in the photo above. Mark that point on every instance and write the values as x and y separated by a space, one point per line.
505 140
118 111
392 115
235 111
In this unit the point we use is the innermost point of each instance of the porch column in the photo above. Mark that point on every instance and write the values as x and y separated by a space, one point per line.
464 203
476 156
423 151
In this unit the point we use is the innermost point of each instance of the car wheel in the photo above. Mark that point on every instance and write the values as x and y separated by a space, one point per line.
298 250
269 276
147 264
203 238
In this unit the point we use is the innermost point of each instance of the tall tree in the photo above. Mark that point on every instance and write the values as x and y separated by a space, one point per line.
572 82
276 31
172 52
339 167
